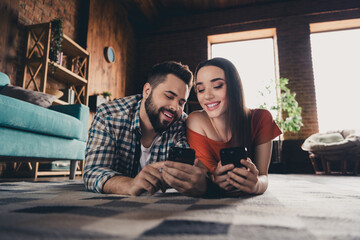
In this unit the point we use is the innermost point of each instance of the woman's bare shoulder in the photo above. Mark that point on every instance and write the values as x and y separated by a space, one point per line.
198 121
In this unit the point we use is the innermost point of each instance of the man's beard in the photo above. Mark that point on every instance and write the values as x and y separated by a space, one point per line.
154 115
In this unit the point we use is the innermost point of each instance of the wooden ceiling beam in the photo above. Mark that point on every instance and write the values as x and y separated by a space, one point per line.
148 8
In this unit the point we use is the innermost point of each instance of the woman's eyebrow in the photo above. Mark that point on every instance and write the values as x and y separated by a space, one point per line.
212 80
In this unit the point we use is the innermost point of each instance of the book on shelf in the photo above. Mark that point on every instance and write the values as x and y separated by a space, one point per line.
69 96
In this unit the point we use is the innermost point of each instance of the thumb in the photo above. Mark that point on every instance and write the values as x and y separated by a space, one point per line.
196 162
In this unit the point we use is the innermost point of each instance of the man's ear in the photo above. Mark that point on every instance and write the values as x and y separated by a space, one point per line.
146 90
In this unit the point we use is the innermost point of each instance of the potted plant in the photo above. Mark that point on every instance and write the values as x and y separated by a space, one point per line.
106 95
56 41
288 114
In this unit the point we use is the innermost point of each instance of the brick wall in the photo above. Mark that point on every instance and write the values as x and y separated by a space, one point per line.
16 14
185 39
35 11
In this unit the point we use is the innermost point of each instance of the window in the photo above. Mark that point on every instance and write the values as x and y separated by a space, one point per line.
336 64
253 54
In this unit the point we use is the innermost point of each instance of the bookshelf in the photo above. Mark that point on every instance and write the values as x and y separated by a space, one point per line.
71 71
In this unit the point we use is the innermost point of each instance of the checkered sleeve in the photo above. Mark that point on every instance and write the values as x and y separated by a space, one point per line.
99 154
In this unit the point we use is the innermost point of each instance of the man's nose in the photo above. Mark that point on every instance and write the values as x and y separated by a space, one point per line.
174 107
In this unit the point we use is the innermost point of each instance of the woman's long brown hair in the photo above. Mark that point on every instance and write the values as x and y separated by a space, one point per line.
237 115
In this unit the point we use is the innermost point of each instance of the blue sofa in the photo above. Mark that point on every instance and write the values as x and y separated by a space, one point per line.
31 133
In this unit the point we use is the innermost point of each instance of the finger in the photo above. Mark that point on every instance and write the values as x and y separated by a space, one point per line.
180 166
250 165
249 176
236 177
229 187
151 185
157 165
223 169
220 178
154 174
173 182
246 183
239 186
178 174
225 185
154 177
199 164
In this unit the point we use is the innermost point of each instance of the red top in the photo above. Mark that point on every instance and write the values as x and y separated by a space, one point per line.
263 129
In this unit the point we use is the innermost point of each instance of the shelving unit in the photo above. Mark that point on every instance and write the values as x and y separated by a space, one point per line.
38 67
72 74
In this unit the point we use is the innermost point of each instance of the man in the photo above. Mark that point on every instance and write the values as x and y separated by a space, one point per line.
130 138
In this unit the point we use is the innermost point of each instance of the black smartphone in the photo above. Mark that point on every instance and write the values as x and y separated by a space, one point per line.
233 155
183 155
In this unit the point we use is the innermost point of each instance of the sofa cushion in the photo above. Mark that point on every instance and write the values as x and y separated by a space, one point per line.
29 117
331 142
18 143
34 97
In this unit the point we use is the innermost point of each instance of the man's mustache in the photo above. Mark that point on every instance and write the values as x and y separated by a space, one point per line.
170 111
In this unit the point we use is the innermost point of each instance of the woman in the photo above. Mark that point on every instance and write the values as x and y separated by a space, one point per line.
226 122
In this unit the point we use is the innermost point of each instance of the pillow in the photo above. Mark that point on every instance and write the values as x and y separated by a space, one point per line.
34 97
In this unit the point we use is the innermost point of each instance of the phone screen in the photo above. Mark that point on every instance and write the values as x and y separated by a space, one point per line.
233 156
183 155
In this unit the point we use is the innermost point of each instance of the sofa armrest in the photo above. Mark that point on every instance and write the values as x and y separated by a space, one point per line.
4 80
78 111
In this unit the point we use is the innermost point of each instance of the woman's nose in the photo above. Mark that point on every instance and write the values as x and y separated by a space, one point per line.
209 95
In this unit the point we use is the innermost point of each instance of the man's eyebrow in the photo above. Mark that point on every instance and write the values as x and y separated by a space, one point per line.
172 93
212 80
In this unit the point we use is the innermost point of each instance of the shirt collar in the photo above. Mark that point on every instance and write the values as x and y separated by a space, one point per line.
135 125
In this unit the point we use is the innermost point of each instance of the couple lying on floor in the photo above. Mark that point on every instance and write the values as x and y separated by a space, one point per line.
130 138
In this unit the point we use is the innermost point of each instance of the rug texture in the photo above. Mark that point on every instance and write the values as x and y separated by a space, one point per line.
293 207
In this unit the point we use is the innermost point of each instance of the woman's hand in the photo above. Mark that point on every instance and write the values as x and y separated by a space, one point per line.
220 176
244 179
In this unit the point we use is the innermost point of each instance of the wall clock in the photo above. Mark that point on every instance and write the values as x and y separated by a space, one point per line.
109 54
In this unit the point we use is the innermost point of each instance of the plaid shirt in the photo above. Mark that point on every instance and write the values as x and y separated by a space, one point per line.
111 144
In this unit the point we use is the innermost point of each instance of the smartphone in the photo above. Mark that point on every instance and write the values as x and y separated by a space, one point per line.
182 155
233 155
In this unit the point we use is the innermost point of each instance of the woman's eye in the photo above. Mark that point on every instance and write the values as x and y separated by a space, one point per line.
201 90
219 86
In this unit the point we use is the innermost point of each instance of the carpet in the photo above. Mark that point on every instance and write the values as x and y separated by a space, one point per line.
293 207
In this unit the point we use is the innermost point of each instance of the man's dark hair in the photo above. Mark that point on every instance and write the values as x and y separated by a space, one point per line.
159 72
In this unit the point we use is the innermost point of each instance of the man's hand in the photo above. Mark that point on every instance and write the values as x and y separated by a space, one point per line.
186 179
149 179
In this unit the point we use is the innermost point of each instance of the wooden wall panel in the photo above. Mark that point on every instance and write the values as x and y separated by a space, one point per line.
109 26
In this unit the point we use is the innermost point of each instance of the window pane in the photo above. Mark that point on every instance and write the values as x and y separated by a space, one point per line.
336 63
254 59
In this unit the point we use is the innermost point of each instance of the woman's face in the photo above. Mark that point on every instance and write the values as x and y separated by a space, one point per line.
211 90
